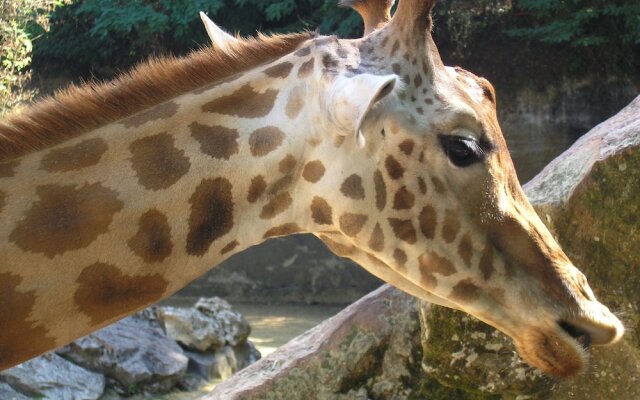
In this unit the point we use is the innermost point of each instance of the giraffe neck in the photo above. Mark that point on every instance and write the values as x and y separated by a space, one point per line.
111 221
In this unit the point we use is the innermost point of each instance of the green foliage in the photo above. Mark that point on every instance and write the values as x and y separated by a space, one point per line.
110 33
597 36
18 21
457 22
580 23
94 34
100 37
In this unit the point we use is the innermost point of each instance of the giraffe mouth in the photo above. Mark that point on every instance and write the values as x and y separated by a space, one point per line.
560 351
579 335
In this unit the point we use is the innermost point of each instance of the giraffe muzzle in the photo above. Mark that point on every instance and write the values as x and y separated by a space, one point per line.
596 322
581 336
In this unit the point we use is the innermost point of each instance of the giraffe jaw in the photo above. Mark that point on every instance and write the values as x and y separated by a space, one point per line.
554 351
561 350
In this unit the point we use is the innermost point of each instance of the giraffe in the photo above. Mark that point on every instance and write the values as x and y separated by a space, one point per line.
116 195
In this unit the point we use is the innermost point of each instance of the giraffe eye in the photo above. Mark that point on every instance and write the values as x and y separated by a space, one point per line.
462 151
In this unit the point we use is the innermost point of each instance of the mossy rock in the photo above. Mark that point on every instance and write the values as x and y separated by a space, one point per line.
600 231
466 354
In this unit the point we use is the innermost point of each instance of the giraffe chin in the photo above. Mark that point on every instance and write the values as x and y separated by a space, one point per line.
553 351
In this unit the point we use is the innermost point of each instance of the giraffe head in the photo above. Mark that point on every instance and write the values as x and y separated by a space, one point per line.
424 193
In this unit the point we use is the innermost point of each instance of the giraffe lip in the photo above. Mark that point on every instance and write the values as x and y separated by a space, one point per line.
579 335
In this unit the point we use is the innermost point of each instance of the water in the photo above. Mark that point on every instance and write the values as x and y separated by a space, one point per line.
531 152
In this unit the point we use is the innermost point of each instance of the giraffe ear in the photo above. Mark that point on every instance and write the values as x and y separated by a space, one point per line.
354 99
219 38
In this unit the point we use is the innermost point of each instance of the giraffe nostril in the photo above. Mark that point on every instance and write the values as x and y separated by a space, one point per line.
581 336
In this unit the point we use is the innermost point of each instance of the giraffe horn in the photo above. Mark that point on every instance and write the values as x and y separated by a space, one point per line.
375 13
219 37
415 15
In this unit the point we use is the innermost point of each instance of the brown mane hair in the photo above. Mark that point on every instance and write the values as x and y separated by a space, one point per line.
78 109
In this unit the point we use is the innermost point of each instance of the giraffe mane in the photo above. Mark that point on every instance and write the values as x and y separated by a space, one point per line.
82 108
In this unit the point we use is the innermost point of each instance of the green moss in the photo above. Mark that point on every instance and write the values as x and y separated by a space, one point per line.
599 231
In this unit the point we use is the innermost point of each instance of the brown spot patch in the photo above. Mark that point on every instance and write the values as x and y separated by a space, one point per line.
65 218
216 141
281 184
156 161
20 338
486 262
400 257
395 48
403 229
8 169
287 164
313 171
306 68
256 188
403 199
464 292
394 169
352 224
281 70
229 247
352 187
244 102
376 241
407 146
438 185
381 190
283 230
422 185
451 226
321 211
152 242
329 62
465 250
105 293
265 140
276 206
211 214
303 52
162 111
437 264
428 221
337 247
81 155
295 102
3 196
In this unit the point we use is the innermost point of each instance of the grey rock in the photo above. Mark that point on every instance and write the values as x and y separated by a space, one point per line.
235 326
209 326
246 354
223 362
7 393
134 353
193 329
218 364
51 376
367 350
